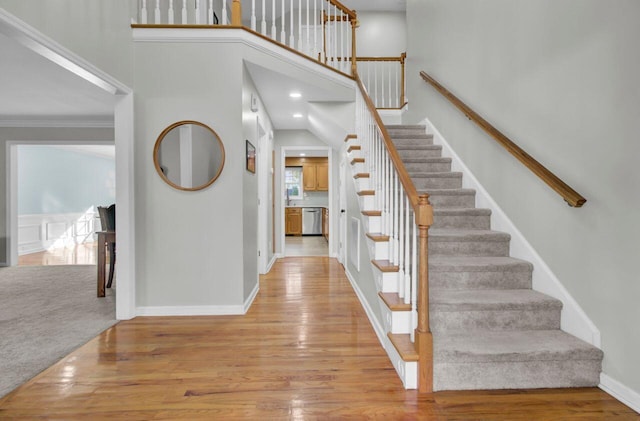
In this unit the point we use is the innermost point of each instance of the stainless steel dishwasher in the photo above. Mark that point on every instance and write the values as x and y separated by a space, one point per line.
311 221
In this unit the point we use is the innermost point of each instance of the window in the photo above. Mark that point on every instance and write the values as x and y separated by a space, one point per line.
293 182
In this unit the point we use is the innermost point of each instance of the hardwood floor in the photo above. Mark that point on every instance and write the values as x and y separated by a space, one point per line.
305 246
305 350
80 254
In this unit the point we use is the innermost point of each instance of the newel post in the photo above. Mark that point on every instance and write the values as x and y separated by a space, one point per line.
236 13
424 339
403 88
354 25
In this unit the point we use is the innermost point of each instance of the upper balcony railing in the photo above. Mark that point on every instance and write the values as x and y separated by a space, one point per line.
323 30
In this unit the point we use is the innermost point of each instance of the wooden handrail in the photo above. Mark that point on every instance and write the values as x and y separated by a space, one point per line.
572 197
345 9
424 219
403 175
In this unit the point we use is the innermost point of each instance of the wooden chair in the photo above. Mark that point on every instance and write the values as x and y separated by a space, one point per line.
108 223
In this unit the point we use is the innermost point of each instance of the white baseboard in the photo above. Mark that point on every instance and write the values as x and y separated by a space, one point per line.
190 310
270 264
624 394
377 327
574 320
251 298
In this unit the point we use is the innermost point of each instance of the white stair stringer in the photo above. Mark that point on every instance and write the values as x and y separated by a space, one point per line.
394 322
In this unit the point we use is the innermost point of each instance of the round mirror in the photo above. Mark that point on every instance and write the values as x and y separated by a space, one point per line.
188 155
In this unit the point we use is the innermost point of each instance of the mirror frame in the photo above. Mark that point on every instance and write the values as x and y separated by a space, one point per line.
156 149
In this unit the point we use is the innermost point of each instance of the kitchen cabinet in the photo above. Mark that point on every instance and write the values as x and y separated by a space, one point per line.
315 172
293 221
325 223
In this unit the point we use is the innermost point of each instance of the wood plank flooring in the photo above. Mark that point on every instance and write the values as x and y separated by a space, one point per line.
304 351
80 254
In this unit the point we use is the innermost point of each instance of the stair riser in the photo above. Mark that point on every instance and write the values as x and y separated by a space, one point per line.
385 281
516 375
531 319
480 222
358 168
428 166
420 153
480 280
398 322
372 224
367 203
468 248
453 201
362 184
355 154
378 249
454 181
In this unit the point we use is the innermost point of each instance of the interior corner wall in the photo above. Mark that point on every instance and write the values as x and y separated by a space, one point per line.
36 134
99 31
561 80
189 244
250 180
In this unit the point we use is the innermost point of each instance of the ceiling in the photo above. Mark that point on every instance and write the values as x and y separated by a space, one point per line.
275 89
35 88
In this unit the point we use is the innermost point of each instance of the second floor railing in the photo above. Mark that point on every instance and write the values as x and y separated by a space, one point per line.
323 30
384 79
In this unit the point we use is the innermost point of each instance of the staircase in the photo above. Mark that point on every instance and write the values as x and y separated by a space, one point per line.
490 329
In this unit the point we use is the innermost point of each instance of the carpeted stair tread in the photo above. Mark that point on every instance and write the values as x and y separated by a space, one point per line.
448 174
403 135
405 127
427 160
445 234
478 264
462 212
511 346
472 300
419 147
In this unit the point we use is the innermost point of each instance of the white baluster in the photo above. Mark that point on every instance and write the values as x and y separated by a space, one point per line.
401 234
210 12
170 13
308 47
184 11
324 40
143 12
283 34
314 51
197 12
407 258
273 20
300 46
253 15
225 19
335 38
156 13
342 56
397 84
292 38
263 24
390 79
375 80
414 281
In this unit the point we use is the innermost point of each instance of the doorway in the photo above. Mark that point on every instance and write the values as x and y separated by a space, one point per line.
306 201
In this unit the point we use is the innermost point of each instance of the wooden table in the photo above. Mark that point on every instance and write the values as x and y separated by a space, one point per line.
104 237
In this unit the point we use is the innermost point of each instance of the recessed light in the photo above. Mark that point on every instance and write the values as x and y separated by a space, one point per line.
295 95
297 115
303 154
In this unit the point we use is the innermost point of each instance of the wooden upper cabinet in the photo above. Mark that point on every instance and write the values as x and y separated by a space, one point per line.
309 177
322 177
315 172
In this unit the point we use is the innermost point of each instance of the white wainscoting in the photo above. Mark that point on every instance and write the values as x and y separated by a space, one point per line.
41 232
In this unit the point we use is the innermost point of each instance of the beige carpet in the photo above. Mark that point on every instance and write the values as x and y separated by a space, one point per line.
45 313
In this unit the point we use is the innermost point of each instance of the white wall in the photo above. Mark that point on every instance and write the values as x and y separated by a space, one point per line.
560 79
264 147
97 30
189 245
381 34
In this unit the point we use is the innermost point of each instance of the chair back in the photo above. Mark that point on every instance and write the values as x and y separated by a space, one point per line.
107 217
